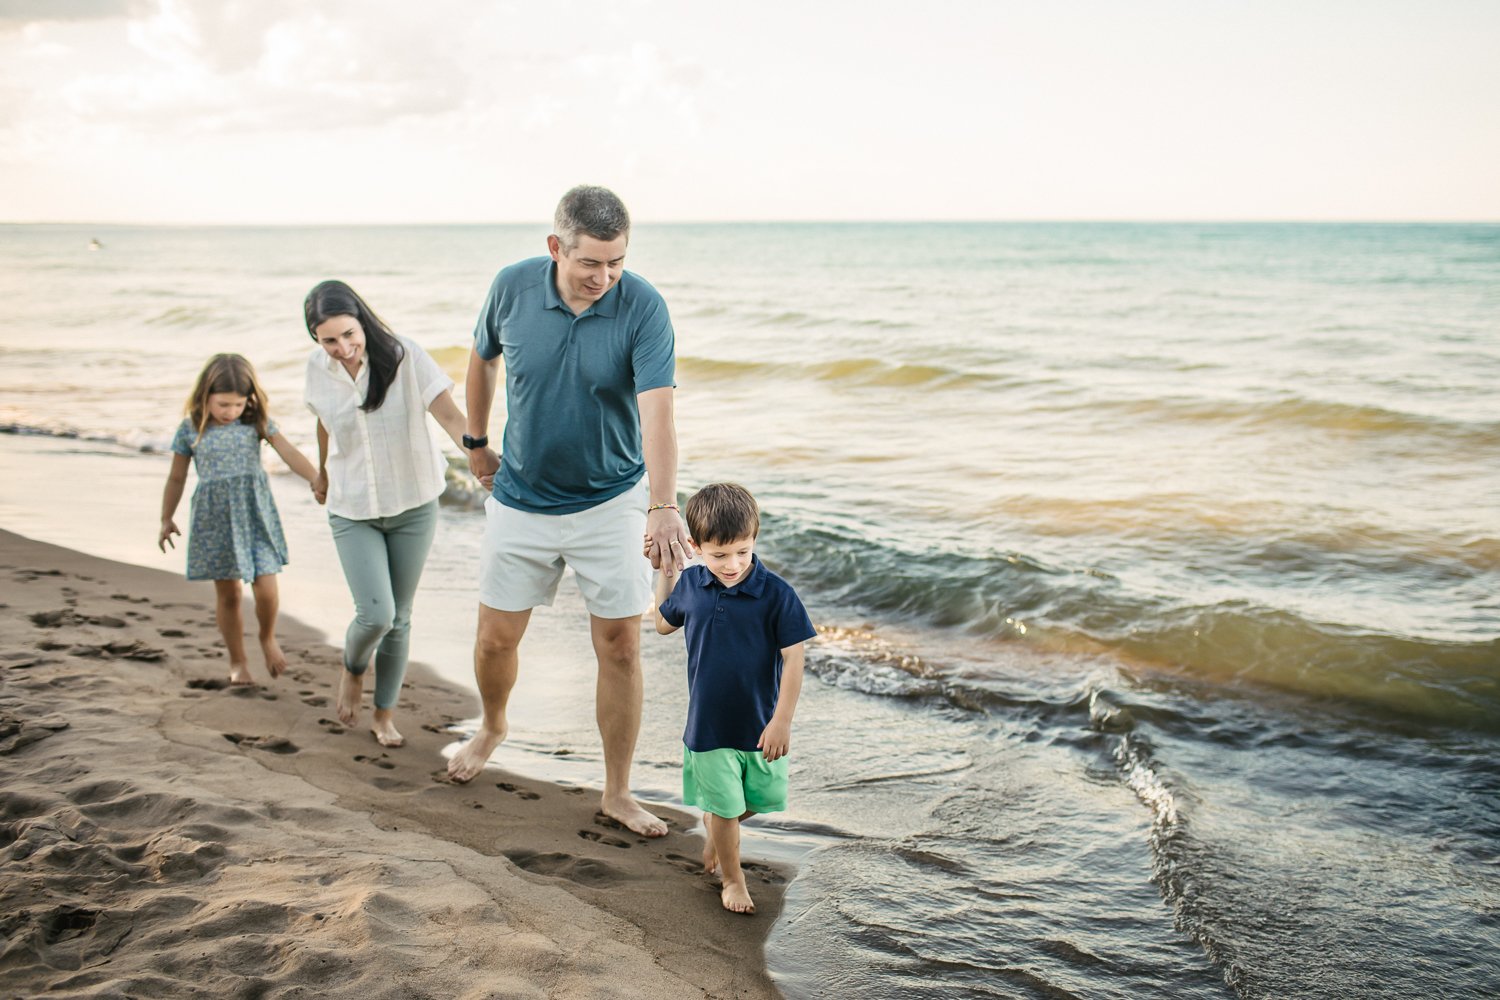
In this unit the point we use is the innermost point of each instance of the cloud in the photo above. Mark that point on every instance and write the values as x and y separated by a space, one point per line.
19 12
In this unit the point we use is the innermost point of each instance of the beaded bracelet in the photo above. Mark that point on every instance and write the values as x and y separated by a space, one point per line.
661 506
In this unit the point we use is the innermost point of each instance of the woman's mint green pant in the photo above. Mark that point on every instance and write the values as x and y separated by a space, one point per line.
382 560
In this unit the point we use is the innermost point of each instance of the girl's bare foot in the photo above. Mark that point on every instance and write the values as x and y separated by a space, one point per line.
275 658
351 688
239 674
736 898
384 730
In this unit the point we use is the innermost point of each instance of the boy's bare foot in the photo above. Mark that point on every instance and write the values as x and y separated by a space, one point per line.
471 757
384 730
351 688
736 898
710 857
626 810
275 658
239 675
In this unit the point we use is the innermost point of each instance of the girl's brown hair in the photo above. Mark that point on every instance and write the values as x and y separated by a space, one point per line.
228 373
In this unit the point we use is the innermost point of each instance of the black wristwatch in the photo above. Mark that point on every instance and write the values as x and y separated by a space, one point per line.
471 443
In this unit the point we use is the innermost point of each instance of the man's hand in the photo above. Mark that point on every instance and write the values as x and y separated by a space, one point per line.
484 463
667 543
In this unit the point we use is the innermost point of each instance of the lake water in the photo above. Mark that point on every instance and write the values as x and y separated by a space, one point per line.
1156 566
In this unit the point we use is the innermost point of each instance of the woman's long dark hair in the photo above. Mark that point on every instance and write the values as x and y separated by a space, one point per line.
334 298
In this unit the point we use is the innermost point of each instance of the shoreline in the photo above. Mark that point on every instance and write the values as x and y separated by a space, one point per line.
161 835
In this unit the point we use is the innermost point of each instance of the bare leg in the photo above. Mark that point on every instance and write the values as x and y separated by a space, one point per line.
351 692
385 730
617 707
725 834
232 627
711 856
267 602
496 660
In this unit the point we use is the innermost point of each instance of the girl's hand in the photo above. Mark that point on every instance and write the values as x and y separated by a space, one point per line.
320 486
164 537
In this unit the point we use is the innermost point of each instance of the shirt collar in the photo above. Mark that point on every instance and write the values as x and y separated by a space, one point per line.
335 368
608 304
752 585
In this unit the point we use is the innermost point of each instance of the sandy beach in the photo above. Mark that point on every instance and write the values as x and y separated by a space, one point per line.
166 836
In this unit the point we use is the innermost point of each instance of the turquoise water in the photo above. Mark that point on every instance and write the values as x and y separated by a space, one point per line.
1157 563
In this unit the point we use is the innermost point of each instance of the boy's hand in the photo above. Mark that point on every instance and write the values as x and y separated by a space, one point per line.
164 537
776 740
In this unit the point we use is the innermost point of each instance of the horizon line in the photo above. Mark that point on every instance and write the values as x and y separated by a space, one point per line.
637 223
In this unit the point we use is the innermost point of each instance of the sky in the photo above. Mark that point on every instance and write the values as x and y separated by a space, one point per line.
454 111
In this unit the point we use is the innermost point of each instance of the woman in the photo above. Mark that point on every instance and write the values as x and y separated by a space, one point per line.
380 473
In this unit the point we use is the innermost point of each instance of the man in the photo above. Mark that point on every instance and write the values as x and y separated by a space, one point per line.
589 375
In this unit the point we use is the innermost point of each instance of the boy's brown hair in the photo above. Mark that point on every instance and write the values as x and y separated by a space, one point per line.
722 512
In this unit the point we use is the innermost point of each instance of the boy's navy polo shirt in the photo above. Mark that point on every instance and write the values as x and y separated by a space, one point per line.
735 636
572 429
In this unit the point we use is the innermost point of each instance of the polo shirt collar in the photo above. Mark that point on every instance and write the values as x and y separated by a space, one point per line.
608 304
752 585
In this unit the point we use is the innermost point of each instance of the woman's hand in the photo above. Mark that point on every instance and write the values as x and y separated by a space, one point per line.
320 486
164 537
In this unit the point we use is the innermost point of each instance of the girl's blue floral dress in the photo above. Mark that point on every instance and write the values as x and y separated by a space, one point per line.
235 531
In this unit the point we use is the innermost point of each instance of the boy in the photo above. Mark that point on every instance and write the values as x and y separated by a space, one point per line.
745 630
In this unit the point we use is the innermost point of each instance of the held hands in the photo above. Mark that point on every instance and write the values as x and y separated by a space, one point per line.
320 486
483 463
667 536
776 739
164 537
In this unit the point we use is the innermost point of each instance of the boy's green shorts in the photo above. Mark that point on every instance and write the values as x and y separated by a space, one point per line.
730 783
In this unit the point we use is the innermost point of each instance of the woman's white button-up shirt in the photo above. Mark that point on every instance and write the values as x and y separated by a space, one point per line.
384 462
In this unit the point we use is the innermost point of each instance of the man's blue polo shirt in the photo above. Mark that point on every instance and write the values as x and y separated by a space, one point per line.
572 429
735 636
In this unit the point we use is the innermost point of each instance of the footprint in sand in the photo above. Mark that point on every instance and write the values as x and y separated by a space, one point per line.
270 744
136 650
693 866
603 838
380 761
127 597
584 871
332 726
171 633
316 701
67 616
520 793
208 684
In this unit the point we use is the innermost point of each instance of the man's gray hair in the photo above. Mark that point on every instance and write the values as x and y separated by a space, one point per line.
590 210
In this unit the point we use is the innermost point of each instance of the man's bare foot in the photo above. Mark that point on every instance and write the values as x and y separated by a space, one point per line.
351 689
736 898
239 675
384 730
275 658
471 757
626 810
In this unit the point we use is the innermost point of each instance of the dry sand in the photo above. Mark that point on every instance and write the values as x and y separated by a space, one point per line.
163 837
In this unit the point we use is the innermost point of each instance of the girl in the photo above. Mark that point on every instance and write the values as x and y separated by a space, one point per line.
236 532
381 474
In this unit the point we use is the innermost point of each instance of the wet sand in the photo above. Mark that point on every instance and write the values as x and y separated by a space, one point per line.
164 835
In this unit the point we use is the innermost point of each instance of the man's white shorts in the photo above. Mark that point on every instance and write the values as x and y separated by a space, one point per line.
524 555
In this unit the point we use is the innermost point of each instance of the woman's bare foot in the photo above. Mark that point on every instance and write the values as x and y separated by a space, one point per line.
736 898
626 810
384 730
275 658
351 688
239 675
471 757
